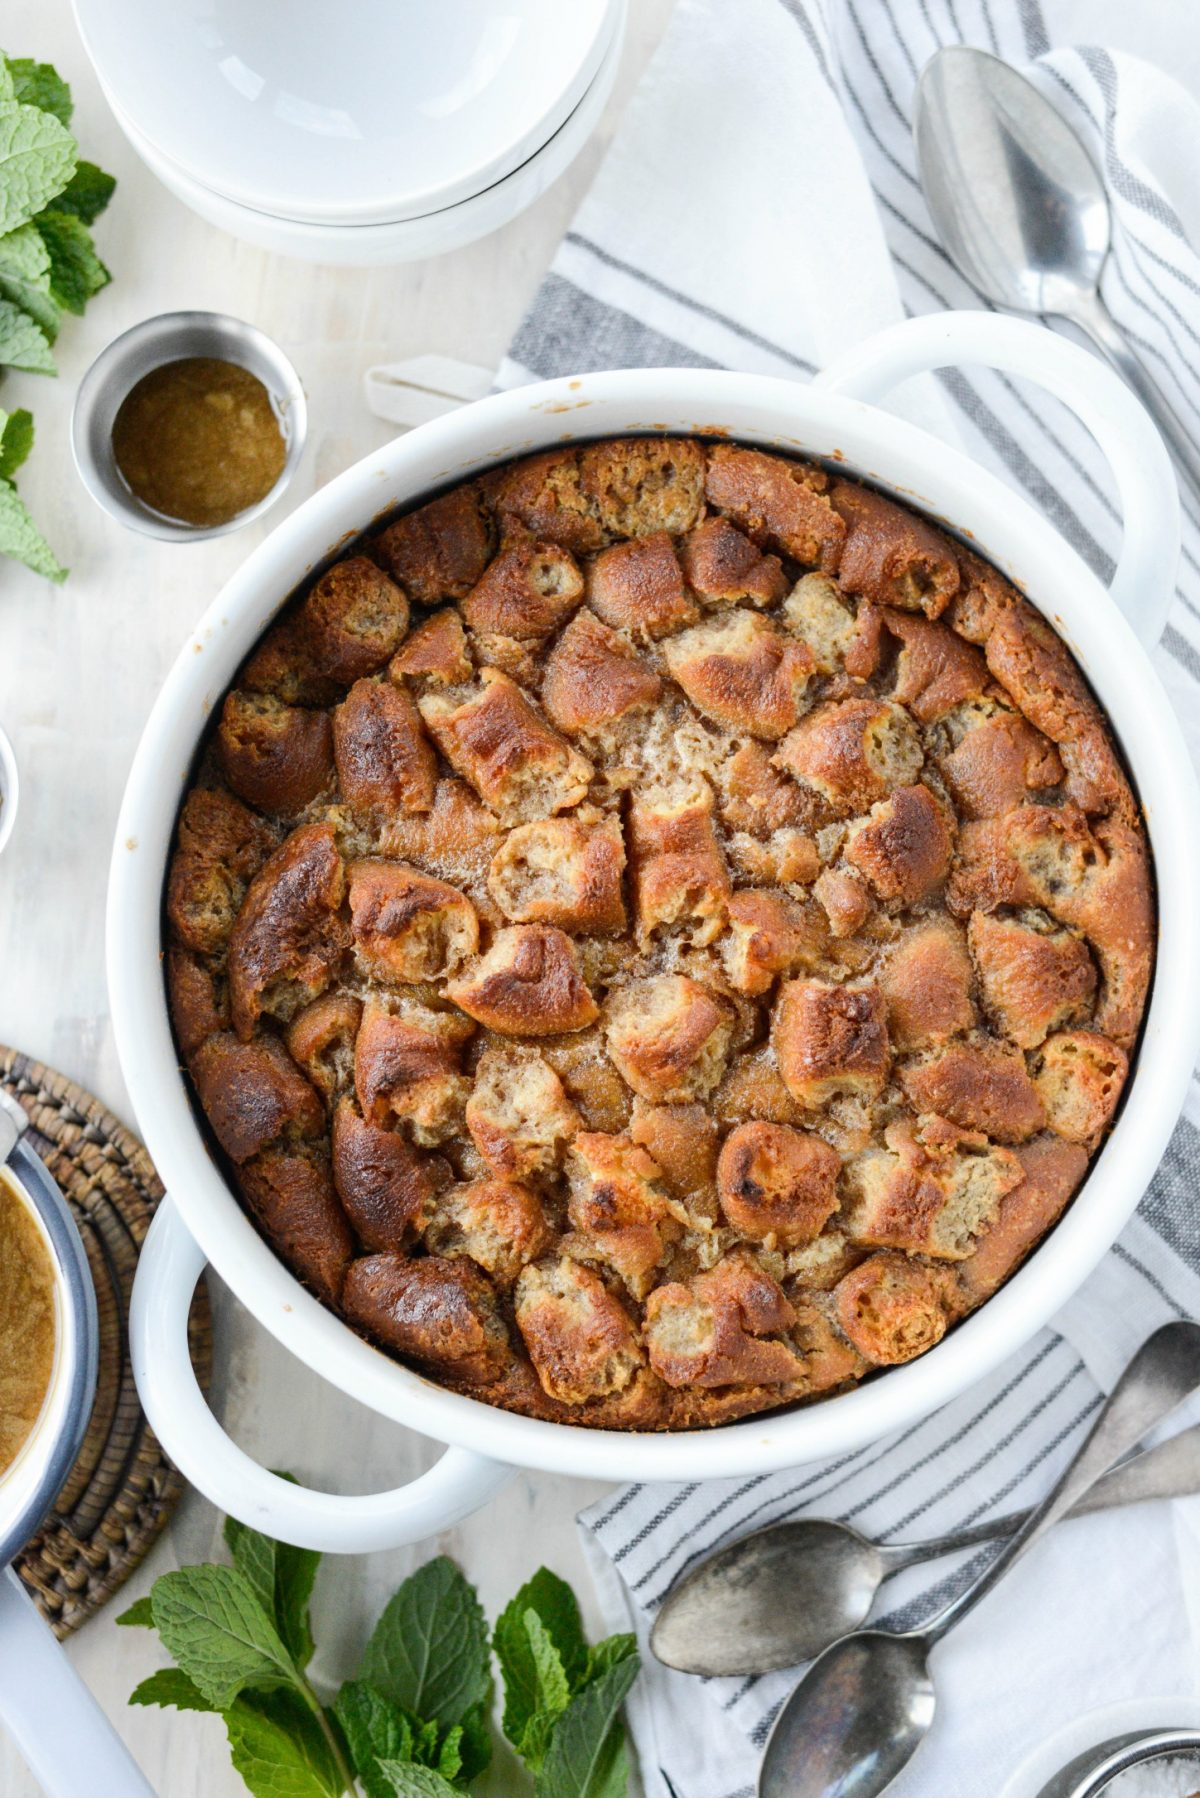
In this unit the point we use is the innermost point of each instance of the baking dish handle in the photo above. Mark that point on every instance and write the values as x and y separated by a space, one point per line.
1143 582
170 1265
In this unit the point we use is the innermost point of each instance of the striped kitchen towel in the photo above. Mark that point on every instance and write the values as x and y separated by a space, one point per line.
760 210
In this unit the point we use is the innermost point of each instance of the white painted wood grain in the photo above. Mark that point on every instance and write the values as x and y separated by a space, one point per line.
79 668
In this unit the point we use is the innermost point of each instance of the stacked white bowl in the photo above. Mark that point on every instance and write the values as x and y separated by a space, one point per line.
373 131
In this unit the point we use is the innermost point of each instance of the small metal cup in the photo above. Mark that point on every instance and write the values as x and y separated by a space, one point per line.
170 337
9 788
1091 1774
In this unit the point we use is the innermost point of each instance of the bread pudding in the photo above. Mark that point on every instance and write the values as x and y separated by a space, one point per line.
657 933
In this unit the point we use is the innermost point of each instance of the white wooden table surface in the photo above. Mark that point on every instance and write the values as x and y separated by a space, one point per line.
79 667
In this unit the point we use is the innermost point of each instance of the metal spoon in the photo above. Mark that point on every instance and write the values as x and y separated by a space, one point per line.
1022 211
864 1707
778 1597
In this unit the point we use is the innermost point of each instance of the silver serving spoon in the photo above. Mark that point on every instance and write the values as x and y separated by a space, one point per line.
863 1709
778 1597
1022 211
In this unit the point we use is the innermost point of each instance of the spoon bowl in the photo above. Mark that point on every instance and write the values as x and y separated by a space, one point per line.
867 1704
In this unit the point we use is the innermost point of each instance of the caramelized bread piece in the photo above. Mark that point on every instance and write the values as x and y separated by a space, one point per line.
407 926
354 618
742 674
935 669
638 587
253 1095
1051 1170
199 1004
816 611
508 753
276 757
563 871
777 1185
293 1199
720 1331
853 752
440 1312
498 1223
932 1191
769 933
544 493
219 848
892 1309
926 983
758 799
407 1072
723 567
387 1188
891 556
679 878
440 550
683 1141
434 652
285 664
519 1115
581 1340
526 591
782 504
981 1085
1079 1078
644 484
903 846
528 984
620 1204
385 762
994 759
830 1039
320 1040
594 679
844 899
1034 980
668 1037
289 936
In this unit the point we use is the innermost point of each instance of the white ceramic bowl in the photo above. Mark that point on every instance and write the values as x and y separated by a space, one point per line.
827 420
382 110
408 239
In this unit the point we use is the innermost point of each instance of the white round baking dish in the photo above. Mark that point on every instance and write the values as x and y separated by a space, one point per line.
831 418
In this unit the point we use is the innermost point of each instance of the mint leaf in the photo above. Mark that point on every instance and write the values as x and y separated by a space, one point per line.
212 1623
278 1747
552 1601
475 1743
552 1693
76 272
586 1757
22 343
7 87
449 1756
282 1578
16 440
429 1650
37 159
170 1686
407 1780
87 193
607 1654
139 1615
40 84
25 278
21 539
375 1729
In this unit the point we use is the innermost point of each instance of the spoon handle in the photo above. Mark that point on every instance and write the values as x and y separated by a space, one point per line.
1161 1375
1170 1469
1091 315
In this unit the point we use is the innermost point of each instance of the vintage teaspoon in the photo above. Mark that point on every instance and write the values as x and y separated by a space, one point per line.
864 1707
1022 211
778 1597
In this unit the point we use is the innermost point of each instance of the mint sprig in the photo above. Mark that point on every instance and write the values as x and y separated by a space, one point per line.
414 1721
49 200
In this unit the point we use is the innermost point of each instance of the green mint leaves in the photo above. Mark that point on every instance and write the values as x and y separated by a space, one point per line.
414 1723
48 264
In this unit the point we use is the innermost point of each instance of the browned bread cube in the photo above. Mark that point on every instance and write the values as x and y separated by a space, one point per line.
519 1115
510 755
564 871
668 1037
354 618
289 936
440 550
220 846
816 611
932 1191
253 1094
435 651
385 762
199 1003
679 877
926 983
638 587
770 933
528 984
1079 1078
1034 980
891 556
758 799
581 1340
853 752
320 1040
723 567
981 1085
406 1070
544 493
1051 1170
683 1141
642 484
742 674
458 834
619 1203
777 1185
498 1223
387 1188
720 1331
286 664
442 1313
892 1309
830 1360
778 503
526 591
903 846
830 1039
407 926
274 756
293 1199
994 758
593 678
844 899
935 669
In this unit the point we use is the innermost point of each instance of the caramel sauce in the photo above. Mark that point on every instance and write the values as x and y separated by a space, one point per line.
199 440
27 1326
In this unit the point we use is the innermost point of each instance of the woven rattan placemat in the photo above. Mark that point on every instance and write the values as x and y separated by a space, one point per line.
122 1488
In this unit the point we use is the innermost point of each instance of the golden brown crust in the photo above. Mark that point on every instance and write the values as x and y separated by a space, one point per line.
710 942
